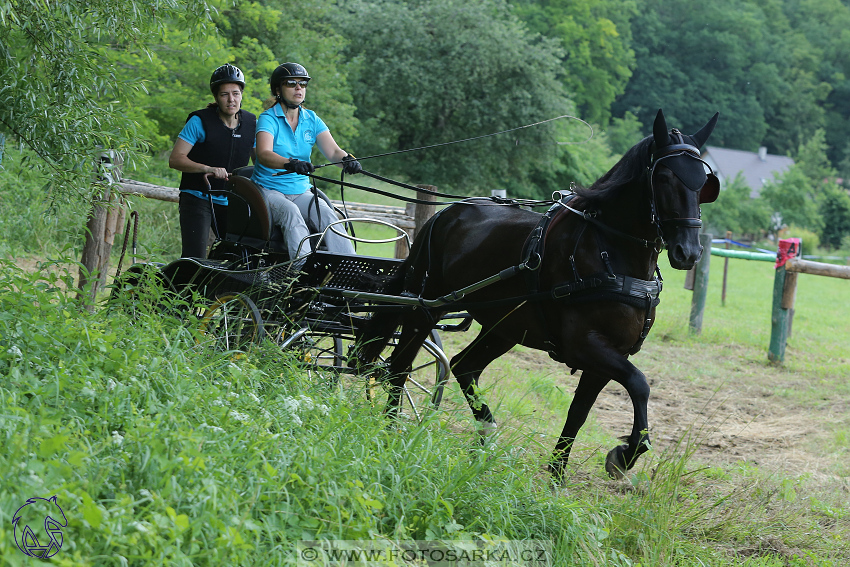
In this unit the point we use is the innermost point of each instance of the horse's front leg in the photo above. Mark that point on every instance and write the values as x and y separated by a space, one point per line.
623 457
589 386
604 364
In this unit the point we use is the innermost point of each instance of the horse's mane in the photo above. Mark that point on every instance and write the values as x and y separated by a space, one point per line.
625 172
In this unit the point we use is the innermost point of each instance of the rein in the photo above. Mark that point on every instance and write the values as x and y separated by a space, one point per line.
590 216
476 138
460 198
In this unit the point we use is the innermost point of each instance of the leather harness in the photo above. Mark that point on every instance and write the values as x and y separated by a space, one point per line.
595 287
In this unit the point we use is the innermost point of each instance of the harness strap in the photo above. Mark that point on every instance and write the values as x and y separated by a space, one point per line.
590 216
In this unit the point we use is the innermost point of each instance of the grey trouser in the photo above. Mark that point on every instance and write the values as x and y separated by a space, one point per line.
289 211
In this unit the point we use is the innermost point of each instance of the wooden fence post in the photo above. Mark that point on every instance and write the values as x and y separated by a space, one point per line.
421 213
725 270
778 319
700 285
783 299
105 219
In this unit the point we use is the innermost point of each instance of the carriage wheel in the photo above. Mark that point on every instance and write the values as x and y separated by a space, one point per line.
319 353
233 322
423 389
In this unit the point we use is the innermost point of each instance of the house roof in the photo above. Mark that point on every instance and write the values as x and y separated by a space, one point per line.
756 167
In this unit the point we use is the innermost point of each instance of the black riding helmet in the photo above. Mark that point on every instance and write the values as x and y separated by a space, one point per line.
286 71
226 74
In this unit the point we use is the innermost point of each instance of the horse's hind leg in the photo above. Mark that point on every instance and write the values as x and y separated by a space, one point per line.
415 329
467 367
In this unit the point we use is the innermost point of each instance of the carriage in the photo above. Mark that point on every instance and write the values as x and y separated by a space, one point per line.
249 290
580 282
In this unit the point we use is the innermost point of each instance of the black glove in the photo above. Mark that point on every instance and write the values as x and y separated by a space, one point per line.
350 165
298 166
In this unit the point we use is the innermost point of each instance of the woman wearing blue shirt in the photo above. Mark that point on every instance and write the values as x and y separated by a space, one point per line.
215 140
286 134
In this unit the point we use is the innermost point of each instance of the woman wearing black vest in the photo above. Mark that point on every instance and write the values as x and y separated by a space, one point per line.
215 140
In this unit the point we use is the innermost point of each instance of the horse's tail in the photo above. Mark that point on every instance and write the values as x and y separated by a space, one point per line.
410 276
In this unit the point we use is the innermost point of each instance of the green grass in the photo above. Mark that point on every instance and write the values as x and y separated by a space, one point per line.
818 345
161 452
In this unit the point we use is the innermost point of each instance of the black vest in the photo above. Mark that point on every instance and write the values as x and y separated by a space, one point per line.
222 147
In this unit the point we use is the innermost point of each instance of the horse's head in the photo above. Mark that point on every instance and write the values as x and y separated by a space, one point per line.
679 183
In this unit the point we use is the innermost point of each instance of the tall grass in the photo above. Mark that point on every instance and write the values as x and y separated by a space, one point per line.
162 452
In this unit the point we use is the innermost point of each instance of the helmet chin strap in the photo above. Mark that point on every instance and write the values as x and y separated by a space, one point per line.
286 103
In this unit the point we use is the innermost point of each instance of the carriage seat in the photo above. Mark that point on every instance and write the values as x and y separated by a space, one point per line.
249 219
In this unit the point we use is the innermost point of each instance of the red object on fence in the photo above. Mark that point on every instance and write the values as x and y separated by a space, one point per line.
788 248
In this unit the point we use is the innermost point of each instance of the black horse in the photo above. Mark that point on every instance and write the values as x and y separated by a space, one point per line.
578 282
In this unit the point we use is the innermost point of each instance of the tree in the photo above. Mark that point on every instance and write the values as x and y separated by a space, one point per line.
826 26
795 195
736 211
738 57
595 36
61 95
427 72
835 211
256 36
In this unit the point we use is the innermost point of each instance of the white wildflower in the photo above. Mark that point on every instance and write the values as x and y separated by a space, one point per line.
87 392
117 438
142 527
307 403
16 352
296 420
110 385
215 428
253 396
233 395
217 402
290 405
323 409
239 416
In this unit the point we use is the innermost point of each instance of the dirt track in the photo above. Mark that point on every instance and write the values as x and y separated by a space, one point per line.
741 409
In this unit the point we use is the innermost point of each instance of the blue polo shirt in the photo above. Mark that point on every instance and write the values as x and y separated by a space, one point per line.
288 144
193 133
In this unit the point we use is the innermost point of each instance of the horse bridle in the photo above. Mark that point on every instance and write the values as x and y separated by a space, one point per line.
680 148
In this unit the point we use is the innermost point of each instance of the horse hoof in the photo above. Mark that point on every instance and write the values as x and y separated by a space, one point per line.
556 469
486 431
615 465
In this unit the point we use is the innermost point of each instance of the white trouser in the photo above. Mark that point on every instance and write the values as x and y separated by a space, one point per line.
289 211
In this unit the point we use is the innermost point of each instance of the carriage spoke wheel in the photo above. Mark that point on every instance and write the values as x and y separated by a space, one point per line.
233 322
423 387
320 354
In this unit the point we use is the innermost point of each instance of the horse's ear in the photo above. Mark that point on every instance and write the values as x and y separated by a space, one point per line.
701 136
659 130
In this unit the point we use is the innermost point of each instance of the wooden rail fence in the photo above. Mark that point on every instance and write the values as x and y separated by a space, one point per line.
784 287
107 216
785 294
